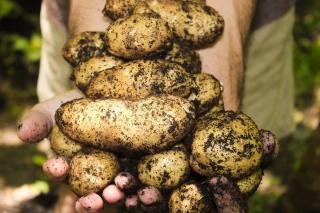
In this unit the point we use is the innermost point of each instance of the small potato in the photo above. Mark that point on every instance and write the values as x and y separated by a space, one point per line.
194 24
229 143
83 46
62 145
207 93
115 9
92 170
164 170
187 58
145 126
190 198
248 185
139 79
137 36
201 169
85 71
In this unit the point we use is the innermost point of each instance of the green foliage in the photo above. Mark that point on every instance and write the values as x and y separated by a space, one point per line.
20 43
307 50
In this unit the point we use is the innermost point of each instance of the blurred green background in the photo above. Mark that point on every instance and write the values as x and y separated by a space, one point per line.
290 186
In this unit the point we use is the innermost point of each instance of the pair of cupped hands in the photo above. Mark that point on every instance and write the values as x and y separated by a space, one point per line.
37 124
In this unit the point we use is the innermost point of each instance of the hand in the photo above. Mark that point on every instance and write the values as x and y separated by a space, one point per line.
37 124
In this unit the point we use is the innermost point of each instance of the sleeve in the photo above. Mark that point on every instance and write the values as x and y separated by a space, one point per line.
54 73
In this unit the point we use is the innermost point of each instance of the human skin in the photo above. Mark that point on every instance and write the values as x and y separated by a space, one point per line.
223 60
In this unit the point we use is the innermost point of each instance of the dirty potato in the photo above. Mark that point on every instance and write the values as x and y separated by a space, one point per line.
62 145
194 24
187 58
190 198
229 144
92 170
248 185
139 79
207 92
164 170
145 126
115 9
137 36
85 71
83 46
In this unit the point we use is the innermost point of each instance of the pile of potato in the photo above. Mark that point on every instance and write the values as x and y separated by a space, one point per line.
146 99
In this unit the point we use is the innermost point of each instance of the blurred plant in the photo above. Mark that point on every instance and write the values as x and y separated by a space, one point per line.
307 50
20 43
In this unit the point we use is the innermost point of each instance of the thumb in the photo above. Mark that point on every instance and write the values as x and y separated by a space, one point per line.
37 123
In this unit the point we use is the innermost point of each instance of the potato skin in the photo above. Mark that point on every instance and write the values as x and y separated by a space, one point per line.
139 79
190 198
229 143
137 36
85 71
83 46
62 145
145 126
187 58
164 170
207 93
115 9
194 24
92 170
248 185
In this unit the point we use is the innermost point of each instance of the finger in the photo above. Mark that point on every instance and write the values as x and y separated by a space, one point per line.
126 182
149 195
131 202
89 203
227 196
270 147
37 123
112 194
56 168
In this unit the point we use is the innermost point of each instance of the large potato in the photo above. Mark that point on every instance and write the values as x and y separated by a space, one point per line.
145 126
164 170
83 46
62 145
139 79
85 71
139 35
190 198
207 93
193 23
92 170
229 144
187 58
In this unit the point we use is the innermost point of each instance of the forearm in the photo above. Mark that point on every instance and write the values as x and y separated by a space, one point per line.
225 59
87 15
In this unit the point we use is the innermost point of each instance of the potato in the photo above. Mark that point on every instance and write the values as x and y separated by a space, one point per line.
194 24
207 93
137 36
201 169
139 79
229 144
187 58
62 145
85 71
83 46
92 170
141 7
164 170
248 185
145 126
190 198
119 8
